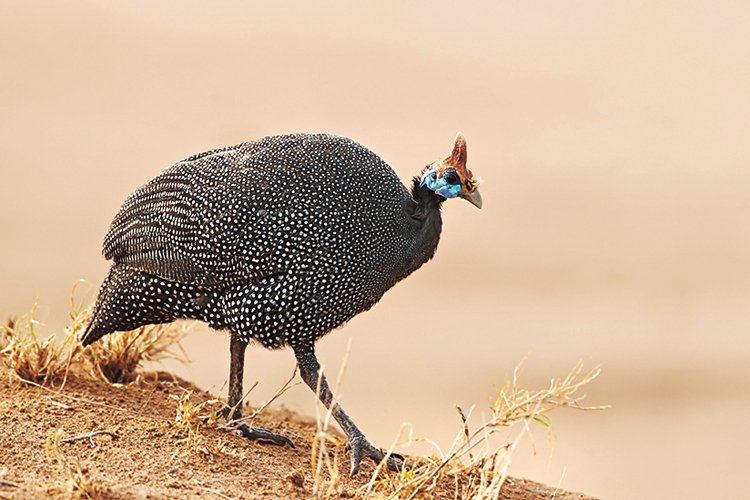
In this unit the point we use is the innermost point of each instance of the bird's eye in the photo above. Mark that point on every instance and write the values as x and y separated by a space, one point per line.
451 177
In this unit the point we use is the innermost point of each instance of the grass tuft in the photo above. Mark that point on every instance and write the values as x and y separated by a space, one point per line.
43 361
190 419
115 358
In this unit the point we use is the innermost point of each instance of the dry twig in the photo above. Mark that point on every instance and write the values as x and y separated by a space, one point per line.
90 436
249 418
5 482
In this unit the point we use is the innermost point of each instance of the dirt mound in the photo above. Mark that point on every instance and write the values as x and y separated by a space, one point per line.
153 457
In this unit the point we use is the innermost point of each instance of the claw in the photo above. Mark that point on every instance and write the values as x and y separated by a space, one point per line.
361 448
262 435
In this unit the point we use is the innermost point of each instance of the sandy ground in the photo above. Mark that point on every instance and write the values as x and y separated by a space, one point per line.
149 460
612 137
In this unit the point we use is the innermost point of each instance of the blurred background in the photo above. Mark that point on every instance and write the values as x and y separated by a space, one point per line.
612 138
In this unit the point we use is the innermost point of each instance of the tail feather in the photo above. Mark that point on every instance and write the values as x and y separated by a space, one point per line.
92 333
94 330
123 304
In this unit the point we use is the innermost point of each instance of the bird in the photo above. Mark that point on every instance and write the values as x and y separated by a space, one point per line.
277 241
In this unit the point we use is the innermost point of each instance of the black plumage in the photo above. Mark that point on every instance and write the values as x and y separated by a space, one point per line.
279 240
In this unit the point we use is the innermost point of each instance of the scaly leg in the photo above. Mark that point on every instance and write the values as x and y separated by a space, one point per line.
361 448
237 363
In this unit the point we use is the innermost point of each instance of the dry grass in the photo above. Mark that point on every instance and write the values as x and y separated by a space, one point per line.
326 447
190 418
477 463
117 356
43 361
78 481
114 358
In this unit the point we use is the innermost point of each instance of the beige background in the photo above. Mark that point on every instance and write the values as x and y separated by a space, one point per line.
612 137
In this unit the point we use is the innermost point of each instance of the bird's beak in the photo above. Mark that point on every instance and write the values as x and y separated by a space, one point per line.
474 198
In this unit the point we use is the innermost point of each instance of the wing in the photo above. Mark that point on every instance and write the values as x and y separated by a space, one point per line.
195 224
240 214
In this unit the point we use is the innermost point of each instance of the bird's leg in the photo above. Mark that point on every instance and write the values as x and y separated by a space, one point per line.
360 447
236 371
233 412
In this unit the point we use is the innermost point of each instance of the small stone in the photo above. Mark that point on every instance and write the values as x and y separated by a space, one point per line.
297 479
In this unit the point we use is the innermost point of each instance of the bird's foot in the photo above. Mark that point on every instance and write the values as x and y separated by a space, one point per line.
262 435
361 448
243 430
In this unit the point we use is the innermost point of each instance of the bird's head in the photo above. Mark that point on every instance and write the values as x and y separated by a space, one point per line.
450 178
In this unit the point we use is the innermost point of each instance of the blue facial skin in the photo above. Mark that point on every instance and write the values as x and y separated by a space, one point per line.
439 186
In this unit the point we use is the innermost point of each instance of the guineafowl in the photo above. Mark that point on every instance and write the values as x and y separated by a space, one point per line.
278 240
